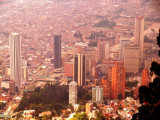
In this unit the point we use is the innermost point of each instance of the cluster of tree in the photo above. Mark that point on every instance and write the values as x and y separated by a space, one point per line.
149 97
78 35
54 98
105 24
147 40
94 35
83 96
83 116
131 84
92 44
2 105
51 97
80 116
152 19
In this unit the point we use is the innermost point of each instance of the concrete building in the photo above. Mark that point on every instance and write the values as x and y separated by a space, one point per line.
118 81
123 43
68 69
24 71
107 51
131 59
90 56
101 52
73 93
139 35
57 51
15 59
79 70
12 87
97 95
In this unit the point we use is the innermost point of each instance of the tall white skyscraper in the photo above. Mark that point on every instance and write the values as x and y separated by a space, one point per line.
15 59
73 93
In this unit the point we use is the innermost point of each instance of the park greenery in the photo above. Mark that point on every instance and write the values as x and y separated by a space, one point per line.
54 98
2 105
105 24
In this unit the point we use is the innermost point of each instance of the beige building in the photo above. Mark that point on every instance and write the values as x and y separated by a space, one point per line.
79 69
139 35
131 58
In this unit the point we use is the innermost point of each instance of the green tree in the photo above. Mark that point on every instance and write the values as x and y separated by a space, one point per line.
99 115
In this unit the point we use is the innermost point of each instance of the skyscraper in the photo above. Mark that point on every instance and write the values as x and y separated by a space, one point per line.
97 95
107 52
118 81
131 58
146 77
79 69
139 35
73 93
123 42
101 52
106 84
68 69
15 59
57 51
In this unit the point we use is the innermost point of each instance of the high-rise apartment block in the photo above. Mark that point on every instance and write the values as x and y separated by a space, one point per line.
97 95
101 52
118 80
90 56
15 59
73 93
68 69
139 35
131 58
79 69
107 51
146 77
106 84
57 51
123 43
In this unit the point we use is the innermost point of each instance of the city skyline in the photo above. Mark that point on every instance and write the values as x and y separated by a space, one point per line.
61 57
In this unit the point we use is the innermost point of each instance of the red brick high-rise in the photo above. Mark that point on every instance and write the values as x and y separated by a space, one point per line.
106 84
146 77
69 69
118 80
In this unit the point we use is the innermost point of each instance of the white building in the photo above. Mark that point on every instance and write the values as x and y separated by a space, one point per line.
97 94
15 59
73 93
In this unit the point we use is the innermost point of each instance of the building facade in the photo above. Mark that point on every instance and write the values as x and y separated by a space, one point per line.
79 69
97 95
118 81
57 51
106 84
123 43
131 58
68 69
146 77
15 59
139 35
73 93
